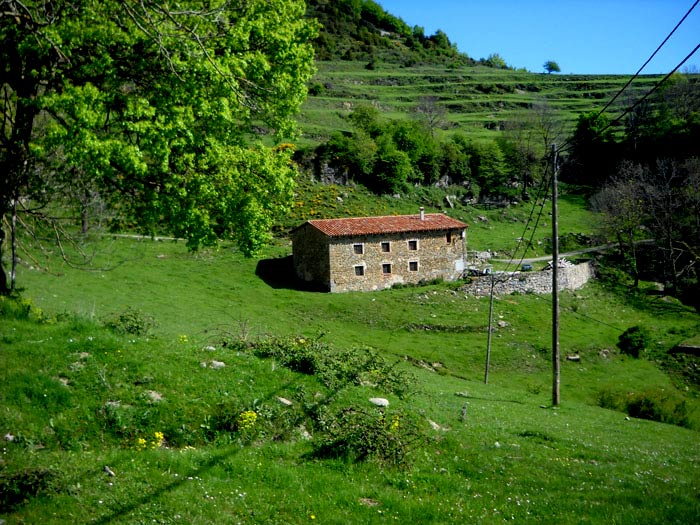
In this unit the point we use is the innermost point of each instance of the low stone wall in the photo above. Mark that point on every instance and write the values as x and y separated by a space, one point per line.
571 278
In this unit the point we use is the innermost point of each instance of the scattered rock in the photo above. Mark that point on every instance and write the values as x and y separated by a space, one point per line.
216 365
305 434
503 324
155 396
109 471
436 426
285 401
9 437
209 348
379 401
573 357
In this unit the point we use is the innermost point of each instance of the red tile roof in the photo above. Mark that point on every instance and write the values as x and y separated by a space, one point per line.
387 224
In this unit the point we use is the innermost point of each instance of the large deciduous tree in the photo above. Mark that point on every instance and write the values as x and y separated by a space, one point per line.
157 108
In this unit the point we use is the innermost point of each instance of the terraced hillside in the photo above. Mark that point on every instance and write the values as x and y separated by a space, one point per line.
477 100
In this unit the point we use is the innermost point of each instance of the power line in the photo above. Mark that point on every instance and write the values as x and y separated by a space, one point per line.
648 60
567 143
652 90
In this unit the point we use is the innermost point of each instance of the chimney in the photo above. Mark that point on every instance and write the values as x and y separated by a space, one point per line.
422 213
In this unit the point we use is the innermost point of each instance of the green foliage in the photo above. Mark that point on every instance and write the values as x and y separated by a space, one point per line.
495 60
634 341
362 29
550 66
653 404
386 437
388 156
131 321
19 487
154 112
335 369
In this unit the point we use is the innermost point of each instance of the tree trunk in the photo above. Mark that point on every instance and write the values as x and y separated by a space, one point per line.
13 237
4 290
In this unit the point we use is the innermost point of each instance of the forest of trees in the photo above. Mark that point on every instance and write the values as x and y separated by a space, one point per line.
390 156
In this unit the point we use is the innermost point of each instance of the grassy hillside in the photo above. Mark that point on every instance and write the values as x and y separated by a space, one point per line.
473 453
479 100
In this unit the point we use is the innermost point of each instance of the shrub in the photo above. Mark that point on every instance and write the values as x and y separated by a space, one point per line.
131 322
634 341
17 487
358 435
335 369
652 404
658 405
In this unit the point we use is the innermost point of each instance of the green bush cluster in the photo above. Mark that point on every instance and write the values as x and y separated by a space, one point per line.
16 487
131 322
634 341
654 404
375 435
393 156
335 369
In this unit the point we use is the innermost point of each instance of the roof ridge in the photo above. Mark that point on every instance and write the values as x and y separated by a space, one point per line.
383 224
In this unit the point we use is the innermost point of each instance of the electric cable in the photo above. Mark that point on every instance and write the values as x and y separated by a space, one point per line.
647 61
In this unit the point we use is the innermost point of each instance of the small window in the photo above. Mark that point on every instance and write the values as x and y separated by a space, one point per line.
359 249
449 237
386 269
386 246
413 245
359 271
413 266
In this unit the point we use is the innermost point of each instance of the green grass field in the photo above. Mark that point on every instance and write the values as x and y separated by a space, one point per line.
78 397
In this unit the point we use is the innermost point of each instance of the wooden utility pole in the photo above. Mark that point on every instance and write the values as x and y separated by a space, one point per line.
488 344
556 369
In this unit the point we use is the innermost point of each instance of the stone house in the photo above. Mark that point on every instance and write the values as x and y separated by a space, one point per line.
372 253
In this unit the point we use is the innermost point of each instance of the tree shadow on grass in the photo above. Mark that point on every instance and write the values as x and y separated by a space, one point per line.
279 273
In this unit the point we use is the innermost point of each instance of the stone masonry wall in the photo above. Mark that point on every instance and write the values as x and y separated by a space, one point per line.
310 255
571 278
433 257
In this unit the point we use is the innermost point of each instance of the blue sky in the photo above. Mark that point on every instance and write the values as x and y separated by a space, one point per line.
582 36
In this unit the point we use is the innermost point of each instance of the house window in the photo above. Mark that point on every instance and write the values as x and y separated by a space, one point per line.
386 246
359 271
386 269
449 237
413 266
413 245
359 249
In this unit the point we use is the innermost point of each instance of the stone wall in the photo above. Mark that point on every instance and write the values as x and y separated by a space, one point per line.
571 278
310 255
375 262
437 254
